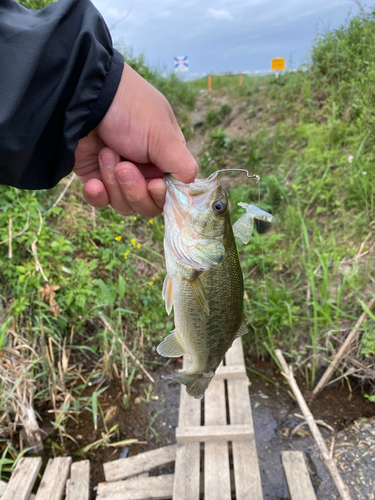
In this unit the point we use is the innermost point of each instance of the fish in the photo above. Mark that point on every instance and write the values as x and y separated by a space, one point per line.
204 281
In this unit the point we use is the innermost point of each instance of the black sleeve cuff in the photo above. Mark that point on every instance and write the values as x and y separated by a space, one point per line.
106 95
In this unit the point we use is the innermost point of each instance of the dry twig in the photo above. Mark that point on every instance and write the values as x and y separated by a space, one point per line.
63 192
327 374
330 463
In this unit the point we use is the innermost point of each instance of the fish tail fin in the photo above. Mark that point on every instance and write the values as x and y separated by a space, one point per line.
195 384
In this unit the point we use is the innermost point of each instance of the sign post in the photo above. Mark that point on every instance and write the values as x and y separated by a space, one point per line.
278 64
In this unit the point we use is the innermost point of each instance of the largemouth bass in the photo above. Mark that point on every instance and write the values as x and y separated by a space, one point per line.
204 281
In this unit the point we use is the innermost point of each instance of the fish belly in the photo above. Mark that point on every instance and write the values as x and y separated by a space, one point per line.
208 337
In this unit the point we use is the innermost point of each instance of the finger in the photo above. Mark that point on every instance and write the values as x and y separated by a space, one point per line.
134 190
171 155
149 170
108 160
95 194
157 189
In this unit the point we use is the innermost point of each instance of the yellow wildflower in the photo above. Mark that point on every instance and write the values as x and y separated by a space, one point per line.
151 283
122 222
133 241
135 217
151 221
118 238
138 245
162 226
126 255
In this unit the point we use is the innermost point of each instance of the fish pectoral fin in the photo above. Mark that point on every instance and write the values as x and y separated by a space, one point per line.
171 347
167 293
200 293
243 228
242 330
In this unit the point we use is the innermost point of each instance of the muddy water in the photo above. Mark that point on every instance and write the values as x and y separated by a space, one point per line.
153 416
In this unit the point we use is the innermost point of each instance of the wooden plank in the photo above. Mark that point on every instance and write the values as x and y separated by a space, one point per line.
127 467
78 487
213 433
155 488
245 459
234 357
216 455
54 478
3 486
228 372
297 476
23 479
187 468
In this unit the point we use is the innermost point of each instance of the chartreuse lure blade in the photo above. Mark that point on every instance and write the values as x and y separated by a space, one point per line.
263 221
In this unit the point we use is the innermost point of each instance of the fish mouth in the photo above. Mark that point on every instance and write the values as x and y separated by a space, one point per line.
197 194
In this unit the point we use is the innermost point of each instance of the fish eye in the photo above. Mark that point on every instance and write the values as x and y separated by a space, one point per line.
219 206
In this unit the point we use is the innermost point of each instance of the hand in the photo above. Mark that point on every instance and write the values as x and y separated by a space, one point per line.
141 127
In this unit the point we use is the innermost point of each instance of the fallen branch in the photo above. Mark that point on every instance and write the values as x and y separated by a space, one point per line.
328 460
108 325
328 373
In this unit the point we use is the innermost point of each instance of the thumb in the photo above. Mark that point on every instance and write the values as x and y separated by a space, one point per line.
173 157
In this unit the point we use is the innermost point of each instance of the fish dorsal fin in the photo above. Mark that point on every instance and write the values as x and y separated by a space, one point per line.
242 329
171 347
200 293
167 293
243 228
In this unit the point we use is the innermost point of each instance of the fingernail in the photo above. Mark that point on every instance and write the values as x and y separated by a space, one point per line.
94 195
108 160
125 176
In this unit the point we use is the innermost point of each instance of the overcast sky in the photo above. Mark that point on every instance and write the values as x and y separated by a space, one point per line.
221 35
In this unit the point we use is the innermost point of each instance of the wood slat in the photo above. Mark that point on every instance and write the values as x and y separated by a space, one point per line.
213 433
216 455
297 476
187 467
127 467
228 372
245 459
54 478
155 488
78 486
23 479
3 486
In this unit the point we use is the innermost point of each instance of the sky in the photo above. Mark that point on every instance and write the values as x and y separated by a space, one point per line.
222 35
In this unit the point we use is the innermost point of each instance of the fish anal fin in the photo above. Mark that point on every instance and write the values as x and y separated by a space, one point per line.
242 330
200 293
171 347
167 294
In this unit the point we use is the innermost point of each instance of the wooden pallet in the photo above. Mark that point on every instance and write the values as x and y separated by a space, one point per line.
214 461
227 434
54 482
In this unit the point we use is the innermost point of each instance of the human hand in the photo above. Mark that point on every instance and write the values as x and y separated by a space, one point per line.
141 127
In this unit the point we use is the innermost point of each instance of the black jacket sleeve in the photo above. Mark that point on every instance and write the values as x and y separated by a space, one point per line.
58 76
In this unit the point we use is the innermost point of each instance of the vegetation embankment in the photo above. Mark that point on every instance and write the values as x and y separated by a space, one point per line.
308 134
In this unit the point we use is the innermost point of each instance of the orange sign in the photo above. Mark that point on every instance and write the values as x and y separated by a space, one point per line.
278 64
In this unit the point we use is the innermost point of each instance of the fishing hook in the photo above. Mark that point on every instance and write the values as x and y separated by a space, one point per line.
256 177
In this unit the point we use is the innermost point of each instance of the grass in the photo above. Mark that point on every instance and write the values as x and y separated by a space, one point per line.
310 138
